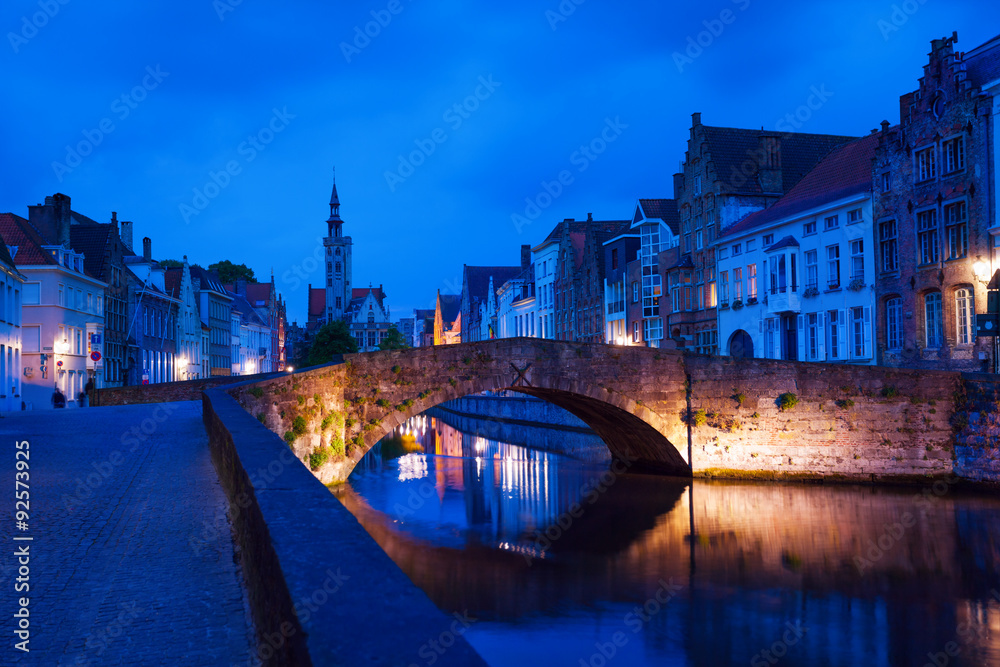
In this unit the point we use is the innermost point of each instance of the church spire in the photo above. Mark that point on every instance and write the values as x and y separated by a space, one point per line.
334 222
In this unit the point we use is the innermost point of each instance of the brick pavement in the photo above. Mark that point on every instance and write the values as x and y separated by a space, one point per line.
132 560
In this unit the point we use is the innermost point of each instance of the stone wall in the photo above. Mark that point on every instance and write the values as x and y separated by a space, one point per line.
321 590
977 444
165 392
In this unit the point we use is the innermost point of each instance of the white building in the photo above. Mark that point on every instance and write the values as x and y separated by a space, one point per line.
618 252
62 308
368 318
11 284
796 280
516 307
178 285
251 339
543 258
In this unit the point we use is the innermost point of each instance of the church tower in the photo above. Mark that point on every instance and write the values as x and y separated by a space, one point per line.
338 261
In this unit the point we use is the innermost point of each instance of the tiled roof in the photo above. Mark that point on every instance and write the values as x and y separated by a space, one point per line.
17 232
5 257
451 305
317 301
92 241
477 278
983 62
247 313
846 171
207 279
150 288
172 281
362 292
730 148
664 209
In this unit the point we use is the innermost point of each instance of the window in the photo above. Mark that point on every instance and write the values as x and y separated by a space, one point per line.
635 332
737 249
737 284
614 259
710 294
965 317
831 222
812 336
751 244
779 279
956 230
770 338
809 228
724 288
339 302
698 240
887 245
857 259
697 186
927 237
751 281
859 348
932 319
833 266
854 216
953 152
925 167
337 268
894 323
812 274
886 181
635 291
833 335
723 253
705 341
767 240
652 329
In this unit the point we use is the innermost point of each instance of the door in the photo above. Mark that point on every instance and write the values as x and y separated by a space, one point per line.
790 337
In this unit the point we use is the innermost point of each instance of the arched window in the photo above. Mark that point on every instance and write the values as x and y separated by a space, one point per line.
965 316
371 317
894 323
338 252
337 268
933 330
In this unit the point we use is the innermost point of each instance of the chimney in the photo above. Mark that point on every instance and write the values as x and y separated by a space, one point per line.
52 219
147 249
590 217
769 165
696 119
525 256
126 230
678 183
885 126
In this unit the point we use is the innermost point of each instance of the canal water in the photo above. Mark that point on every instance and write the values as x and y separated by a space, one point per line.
567 559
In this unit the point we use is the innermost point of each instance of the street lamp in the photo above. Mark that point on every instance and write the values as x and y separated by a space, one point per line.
981 270
290 369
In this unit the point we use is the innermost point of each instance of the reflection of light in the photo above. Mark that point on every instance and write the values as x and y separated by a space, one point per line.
480 445
479 466
412 466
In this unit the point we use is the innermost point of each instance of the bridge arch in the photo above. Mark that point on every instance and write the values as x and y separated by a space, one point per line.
633 398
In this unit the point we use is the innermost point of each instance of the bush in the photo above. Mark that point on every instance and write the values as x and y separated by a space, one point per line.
845 404
700 418
349 422
256 392
740 399
383 403
890 392
289 437
397 369
319 457
260 417
337 446
787 401
301 399
299 425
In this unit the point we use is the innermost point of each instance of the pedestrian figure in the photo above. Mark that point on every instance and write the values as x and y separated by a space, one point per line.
58 400
85 394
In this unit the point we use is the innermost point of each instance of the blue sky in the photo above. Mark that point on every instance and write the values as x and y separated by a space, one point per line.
535 81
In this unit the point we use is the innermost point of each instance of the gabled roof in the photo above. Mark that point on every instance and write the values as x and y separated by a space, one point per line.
477 278
208 280
729 149
172 281
783 242
983 62
18 232
5 257
451 306
149 287
246 310
362 292
317 302
91 240
846 171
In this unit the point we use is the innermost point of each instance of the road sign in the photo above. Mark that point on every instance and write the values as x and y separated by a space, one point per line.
987 325
58 363
95 355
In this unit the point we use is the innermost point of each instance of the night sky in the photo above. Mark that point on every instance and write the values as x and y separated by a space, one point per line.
162 95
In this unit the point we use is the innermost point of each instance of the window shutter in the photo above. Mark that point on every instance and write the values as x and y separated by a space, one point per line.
801 337
820 337
868 332
842 334
776 339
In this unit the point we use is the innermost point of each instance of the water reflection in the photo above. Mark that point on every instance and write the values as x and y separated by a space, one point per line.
801 575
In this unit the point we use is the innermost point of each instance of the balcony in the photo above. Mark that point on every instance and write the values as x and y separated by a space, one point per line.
616 307
784 300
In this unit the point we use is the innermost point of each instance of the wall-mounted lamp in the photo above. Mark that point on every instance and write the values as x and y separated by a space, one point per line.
981 270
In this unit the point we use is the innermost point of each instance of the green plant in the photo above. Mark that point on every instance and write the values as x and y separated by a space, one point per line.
349 422
890 392
289 437
360 400
301 399
754 455
755 415
383 403
260 417
740 399
453 382
317 399
358 440
845 404
397 369
700 418
318 457
337 446
299 425
466 360
256 392
787 401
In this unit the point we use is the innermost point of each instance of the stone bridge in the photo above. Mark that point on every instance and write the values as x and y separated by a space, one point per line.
661 411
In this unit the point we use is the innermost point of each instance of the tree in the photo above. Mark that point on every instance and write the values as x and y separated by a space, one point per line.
171 264
230 273
393 340
331 339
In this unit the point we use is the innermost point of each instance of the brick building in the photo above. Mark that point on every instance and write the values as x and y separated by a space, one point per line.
934 182
727 174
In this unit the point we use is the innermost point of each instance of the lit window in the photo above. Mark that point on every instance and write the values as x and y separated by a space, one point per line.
965 317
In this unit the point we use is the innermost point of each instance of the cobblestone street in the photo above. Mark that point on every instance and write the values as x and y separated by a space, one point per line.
132 561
